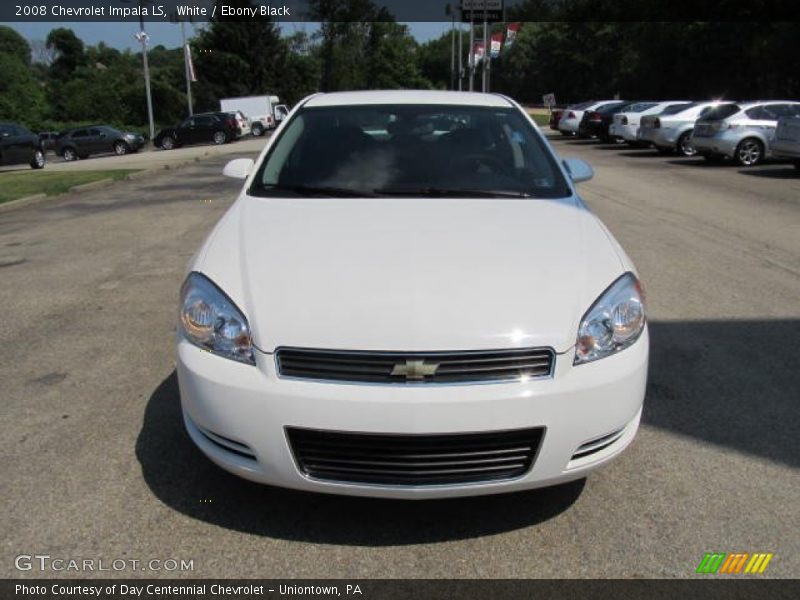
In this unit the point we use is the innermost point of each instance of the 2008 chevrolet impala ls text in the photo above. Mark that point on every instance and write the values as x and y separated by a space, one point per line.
410 300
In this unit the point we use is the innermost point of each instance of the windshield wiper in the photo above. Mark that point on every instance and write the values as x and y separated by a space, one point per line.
322 190
452 192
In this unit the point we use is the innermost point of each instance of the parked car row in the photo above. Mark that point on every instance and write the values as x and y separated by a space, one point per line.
745 132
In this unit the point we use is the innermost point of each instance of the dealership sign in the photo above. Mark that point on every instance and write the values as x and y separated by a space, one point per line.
480 10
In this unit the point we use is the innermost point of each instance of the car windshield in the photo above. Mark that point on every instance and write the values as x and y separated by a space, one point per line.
721 112
409 150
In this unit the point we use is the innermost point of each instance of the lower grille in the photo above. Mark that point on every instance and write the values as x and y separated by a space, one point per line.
481 366
414 460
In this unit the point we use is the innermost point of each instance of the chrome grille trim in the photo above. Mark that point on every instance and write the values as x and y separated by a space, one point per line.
414 460
380 368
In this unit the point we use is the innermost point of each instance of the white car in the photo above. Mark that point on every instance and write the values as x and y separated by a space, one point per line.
393 310
572 115
671 130
626 123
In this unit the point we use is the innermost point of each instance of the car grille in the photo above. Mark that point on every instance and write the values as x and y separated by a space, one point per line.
415 368
414 460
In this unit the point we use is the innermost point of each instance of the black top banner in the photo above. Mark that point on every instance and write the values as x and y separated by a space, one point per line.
70 11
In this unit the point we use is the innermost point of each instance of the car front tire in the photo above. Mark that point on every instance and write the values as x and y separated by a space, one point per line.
257 130
168 142
38 160
749 152
121 148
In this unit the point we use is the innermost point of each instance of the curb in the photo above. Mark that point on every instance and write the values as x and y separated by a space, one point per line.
20 202
86 187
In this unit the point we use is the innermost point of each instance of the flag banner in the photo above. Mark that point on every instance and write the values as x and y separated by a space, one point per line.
511 33
478 52
497 43
190 63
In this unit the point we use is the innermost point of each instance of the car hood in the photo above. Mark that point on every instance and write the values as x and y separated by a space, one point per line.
411 274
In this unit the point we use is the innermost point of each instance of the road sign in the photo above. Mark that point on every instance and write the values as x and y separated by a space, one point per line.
475 10
549 99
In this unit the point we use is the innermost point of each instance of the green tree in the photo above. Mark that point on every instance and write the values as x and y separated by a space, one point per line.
238 58
13 43
69 51
22 98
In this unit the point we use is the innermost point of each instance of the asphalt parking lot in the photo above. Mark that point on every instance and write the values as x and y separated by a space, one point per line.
96 463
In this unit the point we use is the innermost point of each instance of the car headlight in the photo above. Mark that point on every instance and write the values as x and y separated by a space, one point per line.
130 136
614 321
210 320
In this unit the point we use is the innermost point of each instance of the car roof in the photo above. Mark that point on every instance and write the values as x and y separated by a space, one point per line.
407 97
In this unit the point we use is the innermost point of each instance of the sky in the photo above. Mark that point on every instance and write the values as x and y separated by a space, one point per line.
120 35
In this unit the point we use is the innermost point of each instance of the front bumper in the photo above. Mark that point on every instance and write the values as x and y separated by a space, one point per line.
250 407
626 132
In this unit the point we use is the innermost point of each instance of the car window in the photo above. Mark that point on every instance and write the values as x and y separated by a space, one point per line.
400 150
80 133
581 105
640 107
674 109
204 121
95 131
723 111
6 130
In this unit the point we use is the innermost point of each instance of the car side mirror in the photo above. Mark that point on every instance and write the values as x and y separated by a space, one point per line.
579 170
239 168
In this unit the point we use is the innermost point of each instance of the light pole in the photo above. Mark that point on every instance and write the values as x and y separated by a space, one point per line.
142 38
186 59
449 10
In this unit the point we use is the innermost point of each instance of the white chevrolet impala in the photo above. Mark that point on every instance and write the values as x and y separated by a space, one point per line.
409 299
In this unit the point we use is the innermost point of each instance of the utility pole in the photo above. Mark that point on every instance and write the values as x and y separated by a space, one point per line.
460 57
186 57
471 54
487 47
142 38
452 49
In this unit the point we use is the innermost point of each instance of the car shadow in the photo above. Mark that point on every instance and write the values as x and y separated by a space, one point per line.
773 172
181 477
700 162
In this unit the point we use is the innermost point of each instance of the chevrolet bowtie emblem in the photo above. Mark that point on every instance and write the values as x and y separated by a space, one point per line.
415 370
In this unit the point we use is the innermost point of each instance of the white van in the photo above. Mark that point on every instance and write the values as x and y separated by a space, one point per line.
264 112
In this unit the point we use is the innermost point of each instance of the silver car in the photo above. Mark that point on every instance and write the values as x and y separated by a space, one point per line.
787 140
743 132
671 130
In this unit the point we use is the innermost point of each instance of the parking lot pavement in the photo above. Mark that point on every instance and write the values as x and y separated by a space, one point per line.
96 463
148 159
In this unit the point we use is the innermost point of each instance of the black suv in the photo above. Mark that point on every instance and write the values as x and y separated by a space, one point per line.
97 139
219 128
20 146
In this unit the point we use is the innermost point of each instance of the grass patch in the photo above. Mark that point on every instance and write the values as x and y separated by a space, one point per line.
540 118
30 183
